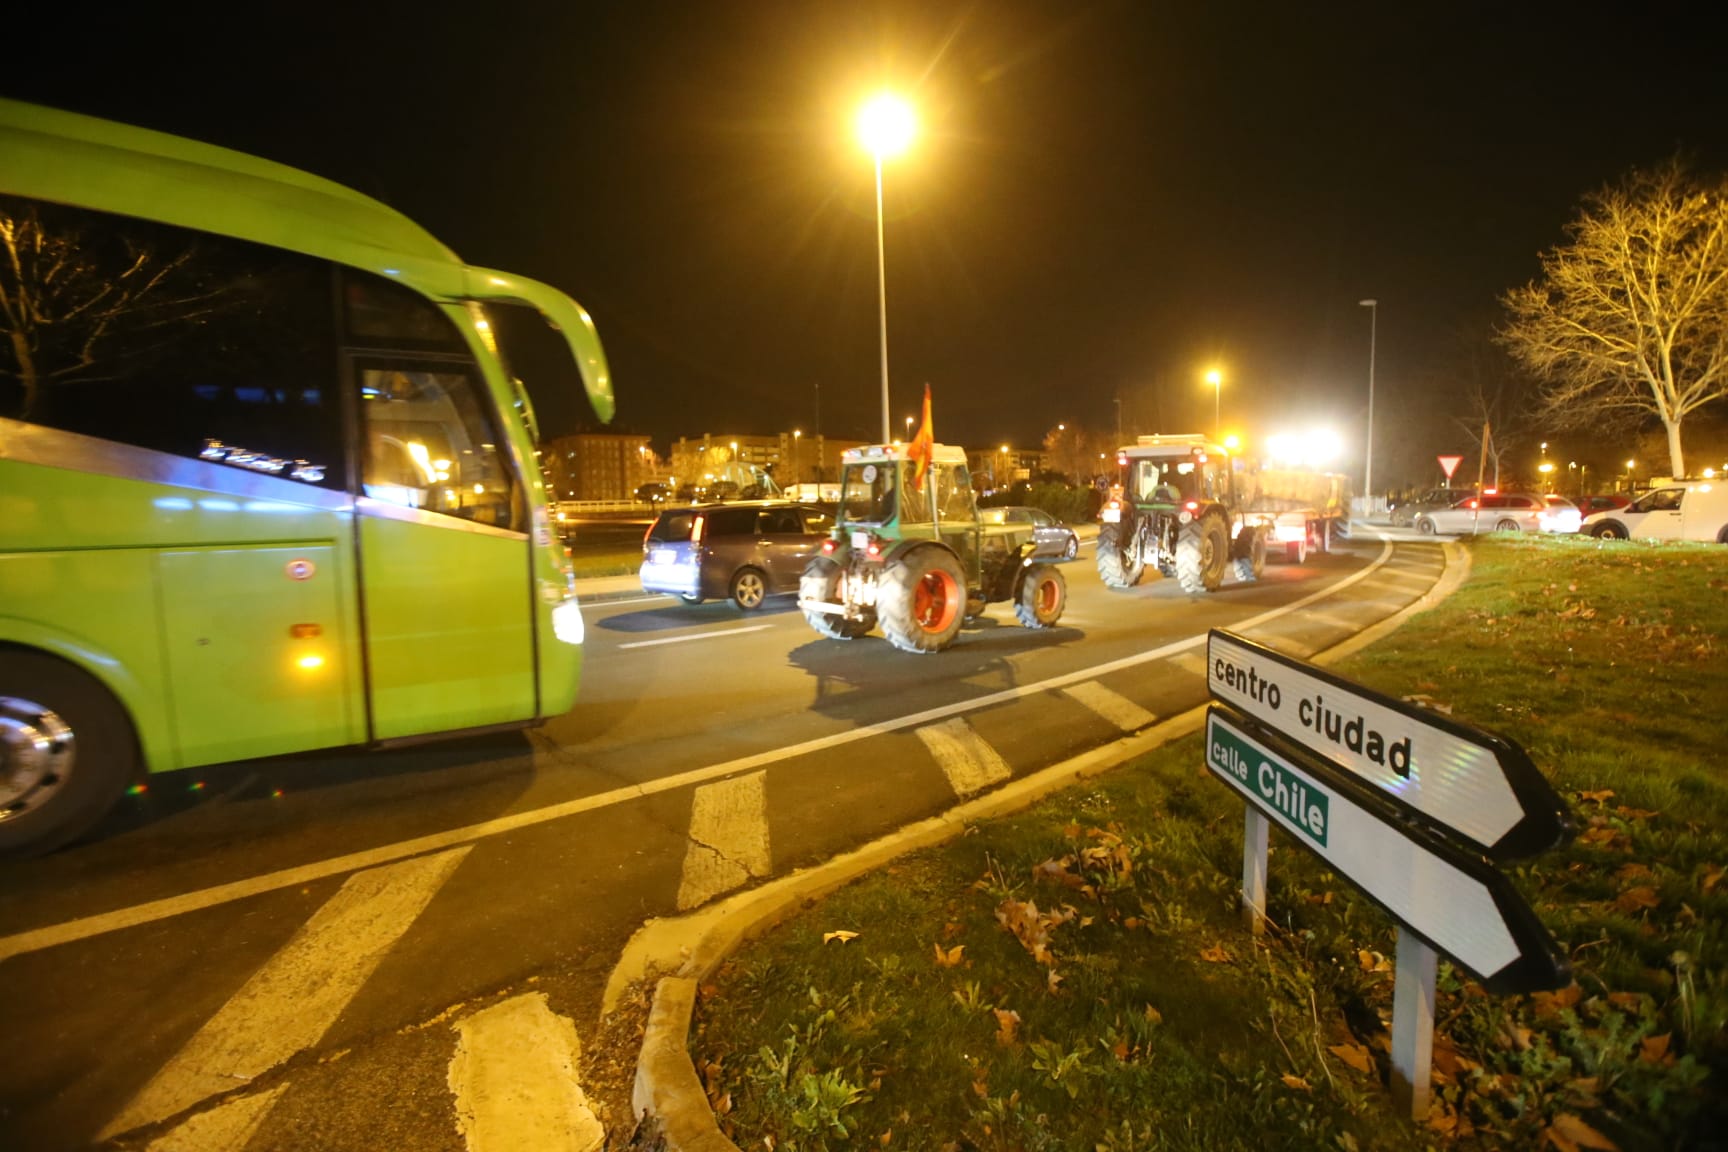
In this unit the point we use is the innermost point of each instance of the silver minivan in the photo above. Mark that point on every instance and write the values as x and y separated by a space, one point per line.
745 551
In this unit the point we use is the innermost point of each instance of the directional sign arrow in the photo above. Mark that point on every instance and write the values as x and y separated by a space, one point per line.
1457 902
1463 780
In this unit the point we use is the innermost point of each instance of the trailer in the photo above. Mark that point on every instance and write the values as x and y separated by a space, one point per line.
1304 510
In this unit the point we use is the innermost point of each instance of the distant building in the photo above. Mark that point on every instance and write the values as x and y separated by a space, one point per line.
1004 465
790 457
599 466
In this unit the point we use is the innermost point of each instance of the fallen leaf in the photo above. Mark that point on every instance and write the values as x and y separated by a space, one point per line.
1120 1050
1133 922
1153 1016
1007 1023
1630 1001
1635 900
1296 1082
1712 873
1355 1055
1217 954
1052 979
1569 1133
981 1085
1654 1049
1551 1002
886 1138
950 958
842 935
1596 797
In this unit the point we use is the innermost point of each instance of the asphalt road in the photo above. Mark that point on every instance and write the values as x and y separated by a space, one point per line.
297 953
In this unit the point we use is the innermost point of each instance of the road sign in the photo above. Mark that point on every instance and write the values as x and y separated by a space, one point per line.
1450 464
1472 783
1456 902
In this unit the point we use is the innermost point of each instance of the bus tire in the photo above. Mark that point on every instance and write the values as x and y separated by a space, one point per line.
921 600
1042 596
1114 568
67 752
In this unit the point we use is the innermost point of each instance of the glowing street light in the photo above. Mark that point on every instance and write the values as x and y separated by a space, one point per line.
886 126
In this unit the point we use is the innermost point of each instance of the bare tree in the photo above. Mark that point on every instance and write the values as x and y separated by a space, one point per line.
1630 319
63 318
1494 395
1075 451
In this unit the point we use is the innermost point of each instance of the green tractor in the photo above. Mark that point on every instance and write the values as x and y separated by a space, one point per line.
918 561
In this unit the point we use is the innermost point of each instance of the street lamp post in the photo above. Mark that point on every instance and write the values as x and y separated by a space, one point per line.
1216 379
1373 307
885 125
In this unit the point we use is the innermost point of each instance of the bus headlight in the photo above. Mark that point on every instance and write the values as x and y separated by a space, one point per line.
567 621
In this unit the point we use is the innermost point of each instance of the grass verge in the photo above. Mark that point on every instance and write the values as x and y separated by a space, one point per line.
1078 977
607 563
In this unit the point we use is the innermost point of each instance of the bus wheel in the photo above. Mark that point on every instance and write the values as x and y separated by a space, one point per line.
67 751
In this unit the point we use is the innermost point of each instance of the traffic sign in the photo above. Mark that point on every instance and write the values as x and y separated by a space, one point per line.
1455 777
1450 464
1456 902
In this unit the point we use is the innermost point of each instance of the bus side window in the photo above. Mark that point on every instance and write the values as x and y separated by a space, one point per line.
170 339
429 444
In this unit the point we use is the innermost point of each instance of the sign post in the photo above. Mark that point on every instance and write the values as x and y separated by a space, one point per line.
1405 805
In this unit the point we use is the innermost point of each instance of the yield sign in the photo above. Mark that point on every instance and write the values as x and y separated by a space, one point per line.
1450 464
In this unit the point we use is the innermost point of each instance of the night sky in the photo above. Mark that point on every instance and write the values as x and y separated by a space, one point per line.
1106 199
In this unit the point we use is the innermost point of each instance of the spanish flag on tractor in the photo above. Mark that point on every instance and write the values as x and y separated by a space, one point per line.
923 445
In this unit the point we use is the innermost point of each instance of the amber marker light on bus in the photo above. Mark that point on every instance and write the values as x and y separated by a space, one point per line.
311 662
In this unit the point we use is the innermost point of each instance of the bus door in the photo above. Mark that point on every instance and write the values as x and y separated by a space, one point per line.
444 558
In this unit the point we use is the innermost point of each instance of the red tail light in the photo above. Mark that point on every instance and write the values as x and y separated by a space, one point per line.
1192 506
697 529
874 549
1472 504
827 547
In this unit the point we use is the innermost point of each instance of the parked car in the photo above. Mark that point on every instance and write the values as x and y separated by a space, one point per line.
1684 510
1606 502
744 551
1494 512
1563 515
1050 537
1404 513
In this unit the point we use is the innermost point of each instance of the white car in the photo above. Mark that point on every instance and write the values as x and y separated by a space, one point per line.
1683 510
1497 512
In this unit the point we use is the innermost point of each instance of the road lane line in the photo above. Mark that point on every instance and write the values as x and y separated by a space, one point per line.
227 1127
515 1084
1194 662
1113 706
291 1001
36 939
968 761
698 636
728 839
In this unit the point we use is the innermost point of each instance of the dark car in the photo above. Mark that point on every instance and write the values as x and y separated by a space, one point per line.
1404 512
1600 503
746 551
1050 537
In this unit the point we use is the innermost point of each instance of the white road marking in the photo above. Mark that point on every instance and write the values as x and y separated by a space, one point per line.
1113 706
1194 662
291 1001
970 764
728 839
85 927
515 1083
226 1127
697 636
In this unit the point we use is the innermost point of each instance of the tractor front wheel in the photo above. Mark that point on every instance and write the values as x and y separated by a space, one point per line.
1043 594
822 582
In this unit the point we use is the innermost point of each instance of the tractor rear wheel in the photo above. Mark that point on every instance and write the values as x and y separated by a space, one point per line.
1043 594
1202 553
921 600
821 582
1115 569
1252 563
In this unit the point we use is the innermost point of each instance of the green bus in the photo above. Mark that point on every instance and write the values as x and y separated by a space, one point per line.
267 482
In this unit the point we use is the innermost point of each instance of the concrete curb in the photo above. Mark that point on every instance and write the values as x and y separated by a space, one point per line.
691 947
